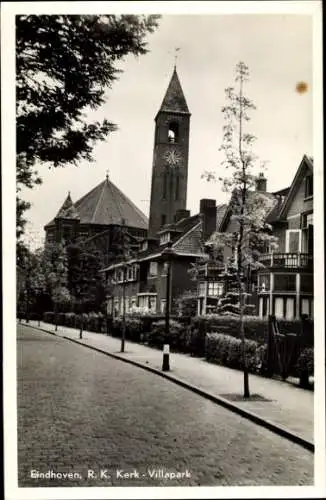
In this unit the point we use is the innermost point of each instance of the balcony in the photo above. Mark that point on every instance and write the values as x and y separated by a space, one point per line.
287 260
147 287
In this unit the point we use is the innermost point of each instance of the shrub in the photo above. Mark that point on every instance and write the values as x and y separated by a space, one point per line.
116 327
176 338
61 318
226 350
255 328
133 329
187 304
34 316
48 317
305 365
195 341
82 320
70 319
100 322
261 359
93 322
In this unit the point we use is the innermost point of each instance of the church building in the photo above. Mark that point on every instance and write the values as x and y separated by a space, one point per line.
140 283
98 217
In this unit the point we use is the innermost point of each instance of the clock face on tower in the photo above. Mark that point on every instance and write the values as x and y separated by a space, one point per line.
173 157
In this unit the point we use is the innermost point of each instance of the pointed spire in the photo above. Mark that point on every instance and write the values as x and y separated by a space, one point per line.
174 99
68 209
66 204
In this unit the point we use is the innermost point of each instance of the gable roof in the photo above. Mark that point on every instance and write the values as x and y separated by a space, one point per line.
174 99
105 204
190 242
178 231
307 163
228 211
186 241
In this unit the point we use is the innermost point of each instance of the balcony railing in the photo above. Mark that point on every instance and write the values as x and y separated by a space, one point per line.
287 260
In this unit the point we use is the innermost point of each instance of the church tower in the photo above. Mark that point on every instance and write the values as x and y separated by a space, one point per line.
170 158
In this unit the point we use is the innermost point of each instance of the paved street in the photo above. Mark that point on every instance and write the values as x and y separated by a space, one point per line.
82 412
284 404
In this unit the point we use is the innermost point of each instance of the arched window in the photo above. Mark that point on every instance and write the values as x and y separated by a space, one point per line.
173 132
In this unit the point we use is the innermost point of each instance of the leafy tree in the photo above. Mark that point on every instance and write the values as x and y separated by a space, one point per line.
54 269
123 247
30 283
187 304
64 64
85 281
249 209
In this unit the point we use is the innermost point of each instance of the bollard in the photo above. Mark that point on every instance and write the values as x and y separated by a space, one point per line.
166 358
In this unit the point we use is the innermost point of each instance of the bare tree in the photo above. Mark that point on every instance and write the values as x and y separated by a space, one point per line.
249 209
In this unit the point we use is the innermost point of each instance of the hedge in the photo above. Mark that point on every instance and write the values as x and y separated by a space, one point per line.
133 330
227 350
305 366
176 338
48 317
256 328
94 322
200 337
195 339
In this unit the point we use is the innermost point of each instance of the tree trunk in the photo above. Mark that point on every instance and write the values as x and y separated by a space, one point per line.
81 326
55 316
27 304
246 393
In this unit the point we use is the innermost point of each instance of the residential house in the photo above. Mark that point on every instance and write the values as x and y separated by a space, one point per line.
285 283
142 281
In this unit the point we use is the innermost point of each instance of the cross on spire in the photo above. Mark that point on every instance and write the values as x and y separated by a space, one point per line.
176 50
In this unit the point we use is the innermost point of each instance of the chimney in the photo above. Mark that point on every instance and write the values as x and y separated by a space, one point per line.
261 183
207 209
182 213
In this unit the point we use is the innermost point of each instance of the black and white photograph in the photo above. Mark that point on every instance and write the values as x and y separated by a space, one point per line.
162 189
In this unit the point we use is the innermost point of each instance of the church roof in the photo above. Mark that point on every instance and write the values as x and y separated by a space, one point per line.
174 99
105 204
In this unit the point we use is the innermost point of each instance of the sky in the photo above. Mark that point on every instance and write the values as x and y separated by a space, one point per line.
278 52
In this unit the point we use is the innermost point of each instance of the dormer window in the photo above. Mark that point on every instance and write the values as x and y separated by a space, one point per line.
173 132
165 238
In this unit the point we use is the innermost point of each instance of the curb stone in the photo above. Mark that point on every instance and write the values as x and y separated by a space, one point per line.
267 424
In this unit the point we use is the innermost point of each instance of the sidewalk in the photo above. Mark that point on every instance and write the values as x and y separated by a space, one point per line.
283 404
